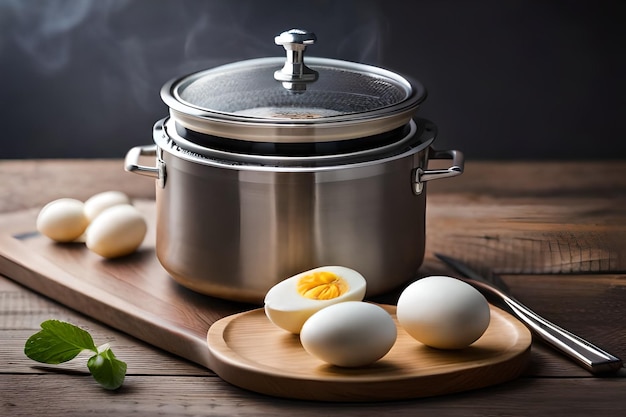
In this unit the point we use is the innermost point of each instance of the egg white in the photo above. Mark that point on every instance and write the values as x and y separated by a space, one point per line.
349 334
443 312
117 231
288 309
62 220
97 203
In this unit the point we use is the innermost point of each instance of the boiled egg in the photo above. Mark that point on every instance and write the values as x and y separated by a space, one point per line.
97 203
62 220
117 231
443 312
292 301
349 334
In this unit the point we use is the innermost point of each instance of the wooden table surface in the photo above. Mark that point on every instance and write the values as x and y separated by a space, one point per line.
556 232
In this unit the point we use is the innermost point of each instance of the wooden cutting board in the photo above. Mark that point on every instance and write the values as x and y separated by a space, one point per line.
135 295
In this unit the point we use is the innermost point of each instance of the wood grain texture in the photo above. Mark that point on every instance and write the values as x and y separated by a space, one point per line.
249 351
525 217
201 396
136 295
522 236
163 384
22 312
133 294
587 305
33 183
592 304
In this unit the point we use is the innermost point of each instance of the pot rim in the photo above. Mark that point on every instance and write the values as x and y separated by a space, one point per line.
420 136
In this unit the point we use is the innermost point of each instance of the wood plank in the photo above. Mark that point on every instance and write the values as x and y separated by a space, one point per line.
538 179
33 183
588 305
532 217
521 235
141 358
192 396
22 311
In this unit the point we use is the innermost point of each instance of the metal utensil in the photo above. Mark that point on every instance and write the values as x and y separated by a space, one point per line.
590 357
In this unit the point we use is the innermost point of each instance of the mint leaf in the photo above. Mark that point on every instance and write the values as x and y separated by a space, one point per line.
107 370
58 342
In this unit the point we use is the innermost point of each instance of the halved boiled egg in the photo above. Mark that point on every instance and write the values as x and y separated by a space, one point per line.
292 301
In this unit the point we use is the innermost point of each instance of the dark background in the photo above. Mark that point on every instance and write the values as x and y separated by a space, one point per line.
506 79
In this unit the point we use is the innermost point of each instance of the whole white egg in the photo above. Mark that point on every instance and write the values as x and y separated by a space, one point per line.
62 220
443 312
289 303
97 203
117 231
349 334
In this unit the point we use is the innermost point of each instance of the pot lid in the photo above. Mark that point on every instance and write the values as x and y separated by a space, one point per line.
293 99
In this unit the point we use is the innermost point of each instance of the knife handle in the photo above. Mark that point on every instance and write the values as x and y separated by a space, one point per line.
589 356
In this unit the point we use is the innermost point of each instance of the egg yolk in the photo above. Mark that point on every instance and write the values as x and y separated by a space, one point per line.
322 285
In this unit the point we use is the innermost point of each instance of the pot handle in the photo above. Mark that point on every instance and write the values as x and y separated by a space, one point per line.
131 163
423 175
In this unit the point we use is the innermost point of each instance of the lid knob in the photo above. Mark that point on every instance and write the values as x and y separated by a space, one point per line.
294 73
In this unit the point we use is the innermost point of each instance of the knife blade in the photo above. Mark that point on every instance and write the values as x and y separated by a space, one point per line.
582 352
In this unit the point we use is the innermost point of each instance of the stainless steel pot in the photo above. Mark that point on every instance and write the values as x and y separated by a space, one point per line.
246 199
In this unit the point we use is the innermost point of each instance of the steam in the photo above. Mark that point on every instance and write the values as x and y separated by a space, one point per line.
137 45
40 29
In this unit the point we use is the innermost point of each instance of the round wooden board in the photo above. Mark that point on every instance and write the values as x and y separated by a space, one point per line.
248 351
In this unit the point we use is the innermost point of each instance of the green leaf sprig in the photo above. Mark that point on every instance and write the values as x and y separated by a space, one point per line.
59 342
